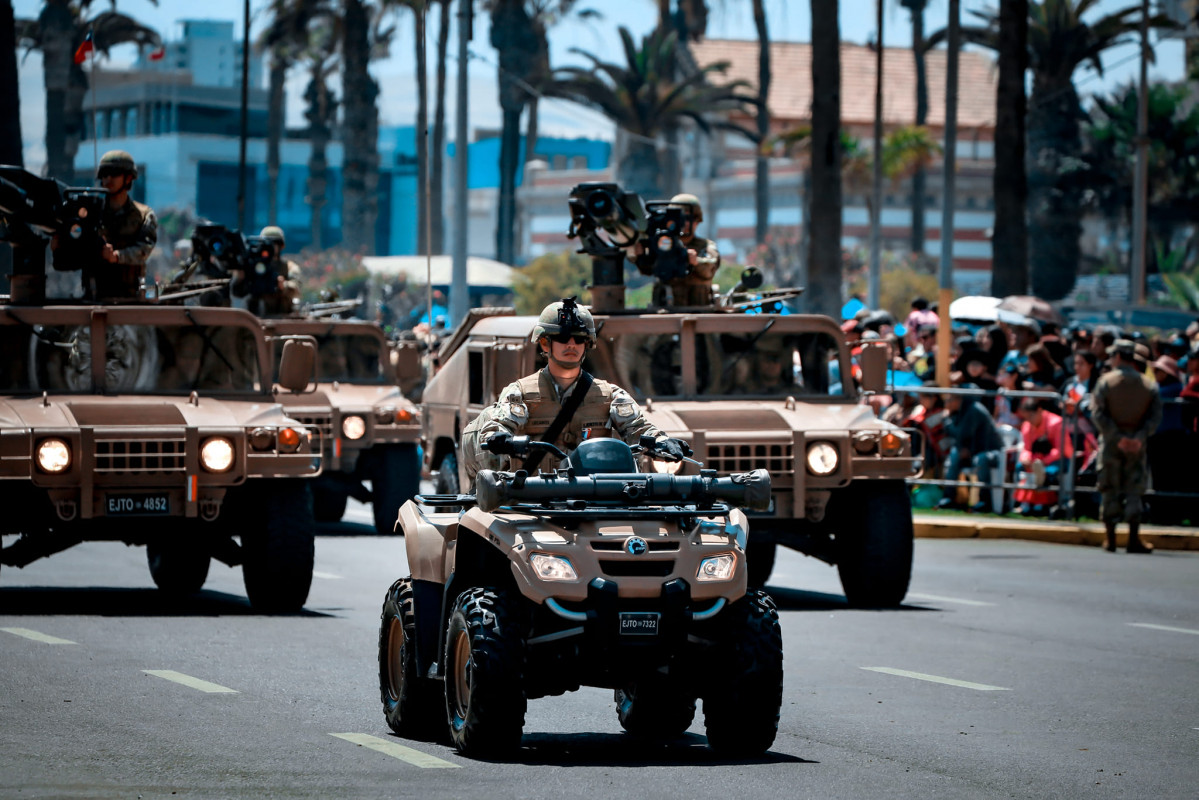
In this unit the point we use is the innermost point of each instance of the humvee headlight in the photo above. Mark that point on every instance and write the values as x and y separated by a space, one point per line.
353 426
717 568
668 467
822 458
216 454
53 456
289 440
552 568
892 444
385 415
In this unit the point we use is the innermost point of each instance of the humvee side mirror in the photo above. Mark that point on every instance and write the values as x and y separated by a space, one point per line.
297 366
405 357
873 361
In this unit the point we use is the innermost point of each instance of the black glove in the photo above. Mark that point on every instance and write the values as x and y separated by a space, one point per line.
500 443
674 449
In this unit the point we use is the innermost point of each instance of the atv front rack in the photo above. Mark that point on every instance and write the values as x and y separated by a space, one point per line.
581 509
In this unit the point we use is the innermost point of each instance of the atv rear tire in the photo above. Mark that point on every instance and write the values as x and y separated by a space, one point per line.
873 543
484 673
743 719
654 709
759 560
414 706
178 562
328 505
279 545
395 479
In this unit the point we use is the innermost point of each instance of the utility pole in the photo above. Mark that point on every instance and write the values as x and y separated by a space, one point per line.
1140 191
876 178
459 290
948 197
245 117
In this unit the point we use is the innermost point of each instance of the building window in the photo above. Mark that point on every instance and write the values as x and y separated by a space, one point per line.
559 162
578 162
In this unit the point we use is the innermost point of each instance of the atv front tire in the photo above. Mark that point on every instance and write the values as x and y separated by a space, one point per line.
414 706
743 718
484 673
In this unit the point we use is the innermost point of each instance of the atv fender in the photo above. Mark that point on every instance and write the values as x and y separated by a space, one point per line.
429 539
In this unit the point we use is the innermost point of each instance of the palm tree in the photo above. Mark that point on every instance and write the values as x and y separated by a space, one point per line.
10 97
920 176
1059 42
824 251
437 160
762 166
59 30
643 101
1009 244
360 130
321 114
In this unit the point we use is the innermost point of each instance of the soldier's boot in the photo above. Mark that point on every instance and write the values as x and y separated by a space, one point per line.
1110 526
1135 545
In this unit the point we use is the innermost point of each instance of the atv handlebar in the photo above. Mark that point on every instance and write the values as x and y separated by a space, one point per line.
748 489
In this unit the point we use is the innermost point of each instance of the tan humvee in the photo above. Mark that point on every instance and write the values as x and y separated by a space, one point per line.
156 425
369 430
747 391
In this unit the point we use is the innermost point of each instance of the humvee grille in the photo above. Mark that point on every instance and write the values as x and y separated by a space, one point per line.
140 456
322 422
637 569
777 459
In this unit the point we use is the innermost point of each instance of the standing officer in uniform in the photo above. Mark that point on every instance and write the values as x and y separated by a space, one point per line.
129 229
696 288
531 405
1126 409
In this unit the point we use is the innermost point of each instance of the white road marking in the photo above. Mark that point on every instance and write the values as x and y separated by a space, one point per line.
936 598
329 576
413 757
920 676
1164 628
188 680
37 636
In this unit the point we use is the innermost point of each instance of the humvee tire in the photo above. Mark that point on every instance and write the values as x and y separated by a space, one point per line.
742 717
447 476
655 709
873 543
178 564
414 706
328 505
759 560
395 479
484 673
279 546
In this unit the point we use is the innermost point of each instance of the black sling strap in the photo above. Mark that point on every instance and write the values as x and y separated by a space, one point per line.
565 415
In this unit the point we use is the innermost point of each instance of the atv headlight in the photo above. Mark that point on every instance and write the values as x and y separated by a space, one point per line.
552 568
822 458
717 568
667 467
216 454
353 426
54 456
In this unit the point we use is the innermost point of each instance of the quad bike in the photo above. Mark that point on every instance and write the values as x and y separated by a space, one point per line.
596 574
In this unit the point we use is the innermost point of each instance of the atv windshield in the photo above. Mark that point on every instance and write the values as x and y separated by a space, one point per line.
138 359
761 363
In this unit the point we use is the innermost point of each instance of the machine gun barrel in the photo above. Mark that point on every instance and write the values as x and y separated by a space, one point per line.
748 489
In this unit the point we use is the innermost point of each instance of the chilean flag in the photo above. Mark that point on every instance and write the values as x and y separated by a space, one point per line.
157 55
84 49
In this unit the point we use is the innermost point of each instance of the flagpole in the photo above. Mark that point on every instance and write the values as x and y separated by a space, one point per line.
95 127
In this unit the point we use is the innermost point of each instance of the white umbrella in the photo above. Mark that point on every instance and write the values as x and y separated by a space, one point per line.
979 308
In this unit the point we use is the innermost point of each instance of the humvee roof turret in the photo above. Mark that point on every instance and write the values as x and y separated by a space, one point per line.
368 428
155 425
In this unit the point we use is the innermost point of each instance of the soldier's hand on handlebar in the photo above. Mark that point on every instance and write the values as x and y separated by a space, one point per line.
499 443
673 449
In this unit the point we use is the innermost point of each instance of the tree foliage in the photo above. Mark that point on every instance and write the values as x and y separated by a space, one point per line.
551 277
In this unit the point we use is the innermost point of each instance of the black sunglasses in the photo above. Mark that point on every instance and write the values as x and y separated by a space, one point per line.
577 338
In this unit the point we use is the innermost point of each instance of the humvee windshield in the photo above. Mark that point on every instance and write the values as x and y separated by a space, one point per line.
346 357
726 364
138 359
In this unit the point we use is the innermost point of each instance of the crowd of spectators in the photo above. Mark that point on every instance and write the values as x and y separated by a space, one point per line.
997 433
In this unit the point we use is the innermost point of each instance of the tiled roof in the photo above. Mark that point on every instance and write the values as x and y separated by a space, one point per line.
791 85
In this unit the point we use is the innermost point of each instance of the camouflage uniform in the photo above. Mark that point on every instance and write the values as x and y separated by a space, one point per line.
529 406
1125 404
132 230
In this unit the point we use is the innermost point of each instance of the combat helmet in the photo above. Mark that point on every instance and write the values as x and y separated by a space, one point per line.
565 316
116 162
685 199
273 233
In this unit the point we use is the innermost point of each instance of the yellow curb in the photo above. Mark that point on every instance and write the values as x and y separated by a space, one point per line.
1088 534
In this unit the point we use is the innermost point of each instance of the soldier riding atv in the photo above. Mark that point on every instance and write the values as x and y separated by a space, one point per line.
594 574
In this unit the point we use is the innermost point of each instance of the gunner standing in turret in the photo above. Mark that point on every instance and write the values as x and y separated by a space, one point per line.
130 231
696 288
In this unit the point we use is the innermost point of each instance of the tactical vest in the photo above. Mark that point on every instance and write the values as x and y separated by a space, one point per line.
121 228
1129 398
591 420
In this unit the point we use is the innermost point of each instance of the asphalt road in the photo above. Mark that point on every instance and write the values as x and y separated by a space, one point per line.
1015 669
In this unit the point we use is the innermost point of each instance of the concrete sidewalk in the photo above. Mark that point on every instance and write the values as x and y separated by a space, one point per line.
947 526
